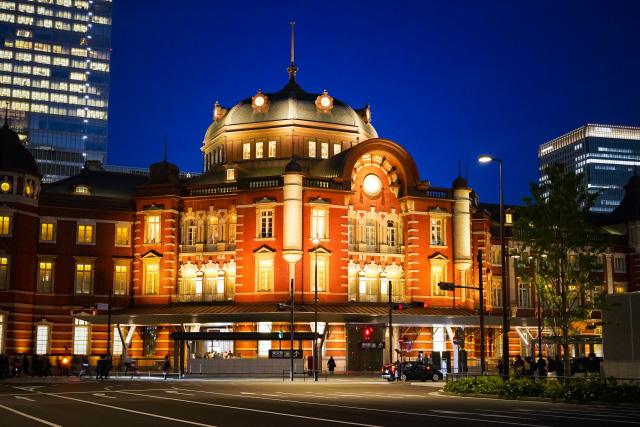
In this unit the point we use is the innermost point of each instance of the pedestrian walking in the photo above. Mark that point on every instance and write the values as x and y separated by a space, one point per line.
331 364
542 366
500 367
127 364
25 364
166 366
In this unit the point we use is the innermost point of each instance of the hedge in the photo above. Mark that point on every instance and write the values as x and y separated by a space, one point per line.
582 390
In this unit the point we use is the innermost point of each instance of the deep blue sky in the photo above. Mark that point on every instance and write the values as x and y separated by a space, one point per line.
448 80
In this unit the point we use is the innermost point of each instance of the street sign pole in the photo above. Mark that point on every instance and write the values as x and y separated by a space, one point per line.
390 323
109 323
291 331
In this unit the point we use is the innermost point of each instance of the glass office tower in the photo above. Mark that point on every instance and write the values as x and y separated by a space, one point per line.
54 79
607 155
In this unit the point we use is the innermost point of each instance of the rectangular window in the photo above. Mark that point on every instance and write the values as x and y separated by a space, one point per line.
508 218
80 337
265 275
122 235
2 329
246 151
272 148
5 223
45 276
4 273
324 150
152 232
312 148
525 299
117 343
150 339
322 273
84 273
437 276
151 278
85 233
496 256
231 174
120 279
263 345
337 148
436 232
266 224
42 339
318 223
439 342
496 295
259 150
619 265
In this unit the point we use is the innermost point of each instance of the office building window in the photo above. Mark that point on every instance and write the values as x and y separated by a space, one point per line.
80 337
45 276
152 229
43 333
85 233
120 279
84 277
122 234
47 231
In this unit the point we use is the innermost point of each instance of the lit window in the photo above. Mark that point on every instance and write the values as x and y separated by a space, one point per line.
231 174
323 272
312 148
324 150
151 277
46 231
45 276
437 276
122 234
265 275
266 224
117 343
523 294
80 337
246 151
259 150
63 62
263 345
152 229
80 189
84 278
351 228
319 223
272 148
85 233
120 279
5 225
508 218
337 148
370 232
620 289
78 76
496 294
4 273
42 339
436 232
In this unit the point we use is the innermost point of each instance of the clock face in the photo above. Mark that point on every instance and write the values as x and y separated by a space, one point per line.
325 101
372 184
259 101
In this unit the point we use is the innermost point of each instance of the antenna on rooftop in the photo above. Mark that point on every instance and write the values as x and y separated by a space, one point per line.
165 147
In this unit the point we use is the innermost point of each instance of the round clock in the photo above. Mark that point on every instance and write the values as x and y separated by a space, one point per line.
325 101
372 185
259 101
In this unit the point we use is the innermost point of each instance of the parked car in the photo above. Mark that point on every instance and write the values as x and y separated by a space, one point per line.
407 371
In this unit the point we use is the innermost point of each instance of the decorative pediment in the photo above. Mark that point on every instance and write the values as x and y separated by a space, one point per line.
264 249
320 250
265 200
151 254
320 200
372 267
394 269
153 207
438 256
437 210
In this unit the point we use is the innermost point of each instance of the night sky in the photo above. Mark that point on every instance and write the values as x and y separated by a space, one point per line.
448 80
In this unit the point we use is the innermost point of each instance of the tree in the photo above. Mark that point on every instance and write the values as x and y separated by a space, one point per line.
561 252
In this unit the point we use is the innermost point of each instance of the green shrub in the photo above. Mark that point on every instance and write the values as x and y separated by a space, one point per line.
462 386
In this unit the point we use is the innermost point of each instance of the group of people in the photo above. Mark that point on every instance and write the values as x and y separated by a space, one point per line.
24 366
549 367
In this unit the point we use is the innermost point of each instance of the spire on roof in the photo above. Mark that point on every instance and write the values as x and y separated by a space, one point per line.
165 147
292 85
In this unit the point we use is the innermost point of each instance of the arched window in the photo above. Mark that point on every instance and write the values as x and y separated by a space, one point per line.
192 232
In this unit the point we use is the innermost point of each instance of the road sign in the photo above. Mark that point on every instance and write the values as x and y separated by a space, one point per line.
102 306
284 354
372 345
400 339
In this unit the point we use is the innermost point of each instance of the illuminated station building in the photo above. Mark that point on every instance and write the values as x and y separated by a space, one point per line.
296 186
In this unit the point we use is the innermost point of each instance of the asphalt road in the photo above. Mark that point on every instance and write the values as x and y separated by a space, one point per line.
366 402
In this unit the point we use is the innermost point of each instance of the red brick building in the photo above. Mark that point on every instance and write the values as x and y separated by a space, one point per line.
218 252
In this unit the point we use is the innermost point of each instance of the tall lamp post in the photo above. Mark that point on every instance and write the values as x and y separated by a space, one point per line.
315 241
505 316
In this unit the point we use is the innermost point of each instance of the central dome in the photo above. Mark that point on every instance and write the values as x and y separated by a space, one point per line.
292 103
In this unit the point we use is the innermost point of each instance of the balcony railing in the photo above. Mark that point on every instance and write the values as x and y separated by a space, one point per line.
213 247
383 249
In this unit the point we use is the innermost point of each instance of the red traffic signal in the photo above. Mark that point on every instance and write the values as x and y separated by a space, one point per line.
367 333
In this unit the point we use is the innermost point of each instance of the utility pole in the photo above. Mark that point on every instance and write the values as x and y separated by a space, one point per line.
481 289
390 323
291 333
109 323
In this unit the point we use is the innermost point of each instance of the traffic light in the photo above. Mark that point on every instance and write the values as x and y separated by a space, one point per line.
280 333
367 333
446 286
405 305
399 306
419 304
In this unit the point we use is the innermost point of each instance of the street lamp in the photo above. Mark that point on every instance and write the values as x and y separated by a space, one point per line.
505 318
315 241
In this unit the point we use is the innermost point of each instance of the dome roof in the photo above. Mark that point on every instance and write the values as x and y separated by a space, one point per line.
293 166
289 104
14 155
460 182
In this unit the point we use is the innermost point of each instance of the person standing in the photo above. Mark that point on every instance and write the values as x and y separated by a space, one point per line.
559 365
166 366
518 366
542 366
331 364
500 367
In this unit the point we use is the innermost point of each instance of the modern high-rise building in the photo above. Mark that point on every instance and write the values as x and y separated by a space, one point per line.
607 155
54 79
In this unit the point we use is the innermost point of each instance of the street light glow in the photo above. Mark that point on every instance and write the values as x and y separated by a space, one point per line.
485 158
315 241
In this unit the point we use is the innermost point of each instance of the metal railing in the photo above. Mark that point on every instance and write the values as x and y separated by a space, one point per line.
304 374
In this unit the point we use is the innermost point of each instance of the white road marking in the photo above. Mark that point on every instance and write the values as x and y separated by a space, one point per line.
31 388
25 398
178 420
364 409
253 410
30 416
104 395
179 392
556 414
246 392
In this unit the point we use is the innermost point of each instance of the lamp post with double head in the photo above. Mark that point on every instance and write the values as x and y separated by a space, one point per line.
315 241
505 316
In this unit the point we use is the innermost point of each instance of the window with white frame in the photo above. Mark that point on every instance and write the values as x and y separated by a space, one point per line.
523 295
392 234
80 337
47 231
496 289
212 230
4 273
265 273
263 345
319 223
84 277
437 275
259 150
85 233
323 272
266 223
496 255
43 332
188 285
619 265
351 230
437 236
370 232
231 174
45 275
312 148
117 343
246 151
151 276
191 235
272 148
122 234
121 278
152 229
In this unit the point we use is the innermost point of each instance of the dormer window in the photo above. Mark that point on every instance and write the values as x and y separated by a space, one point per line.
231 174
508 218
81 189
